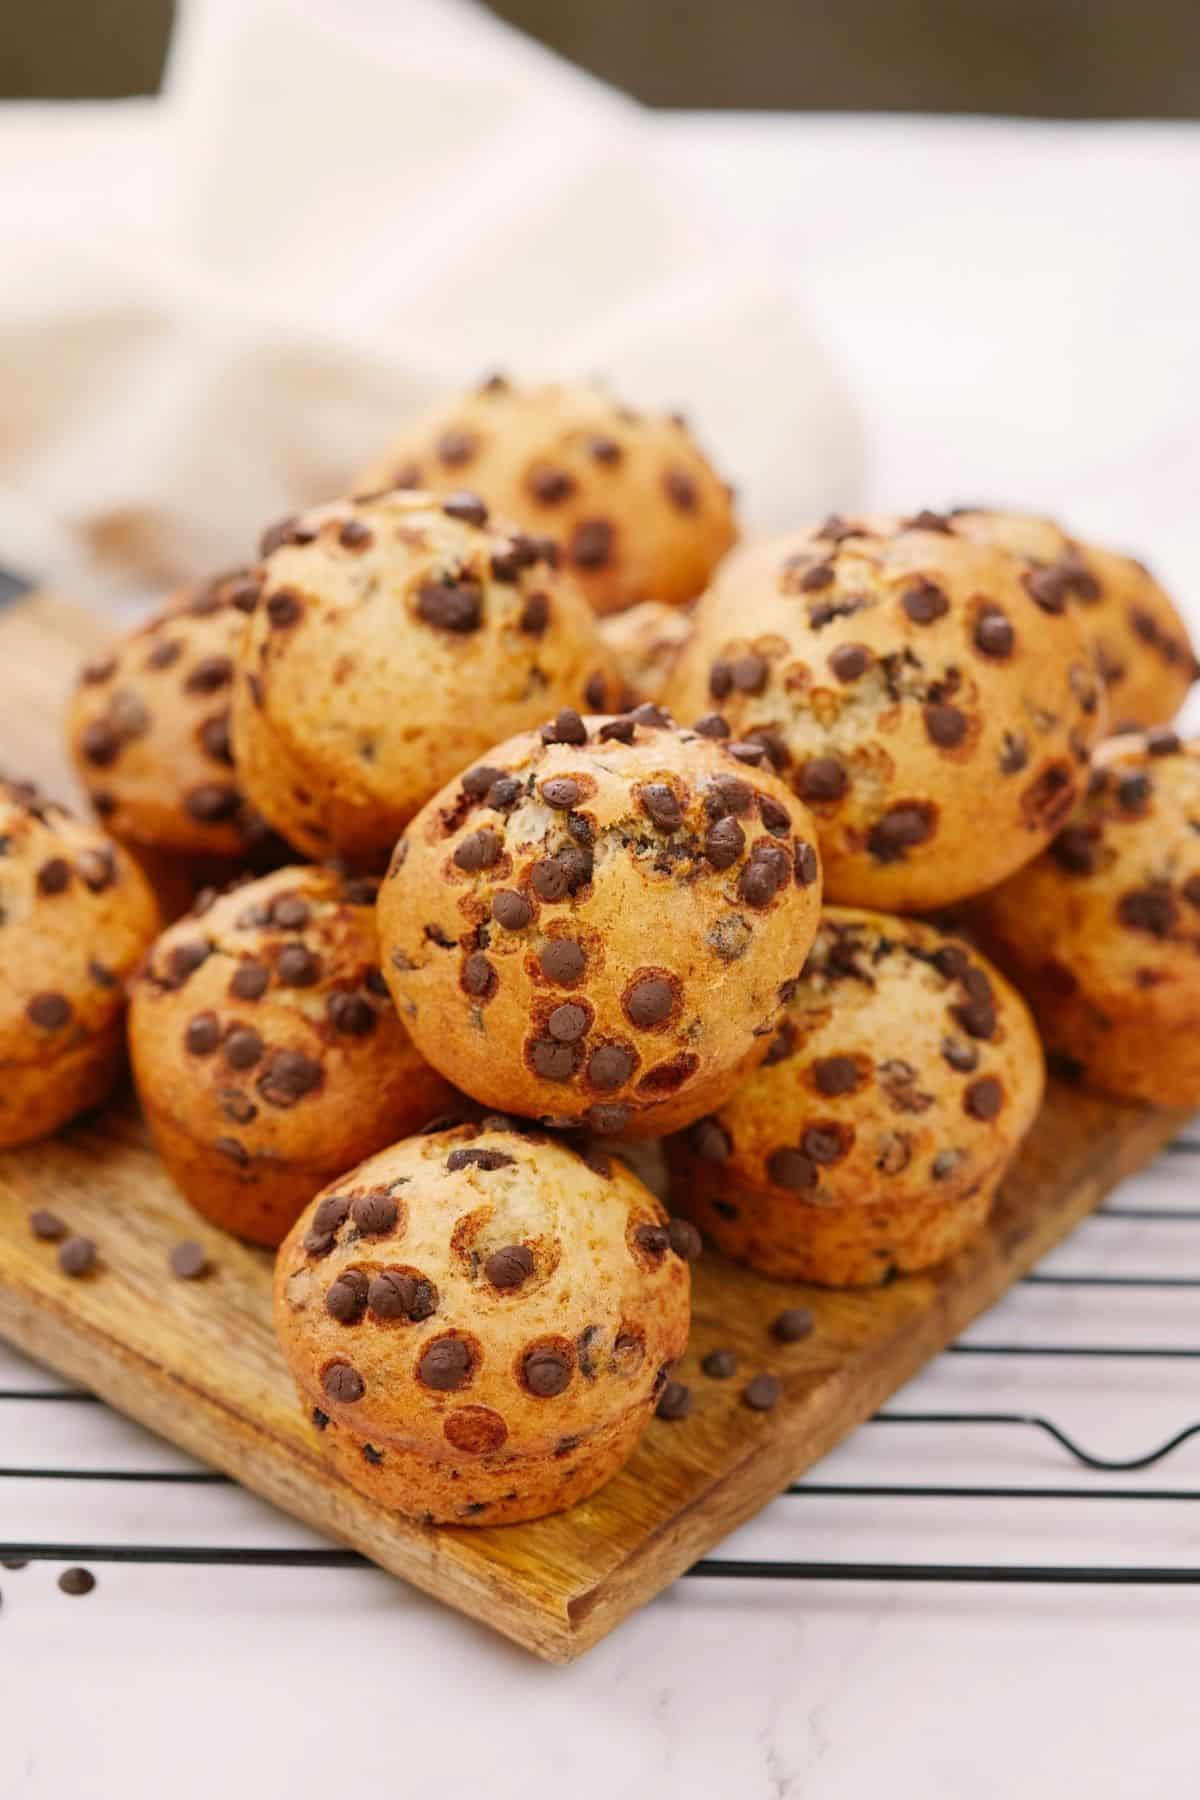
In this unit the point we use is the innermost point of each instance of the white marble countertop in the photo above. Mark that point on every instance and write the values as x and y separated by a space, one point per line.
1016 306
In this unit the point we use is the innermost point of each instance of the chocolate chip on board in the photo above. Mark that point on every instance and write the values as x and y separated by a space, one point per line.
188 1260
675 1402
762 1392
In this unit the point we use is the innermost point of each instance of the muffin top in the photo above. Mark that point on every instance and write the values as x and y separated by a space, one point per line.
903 1060
601 920
481 1290
1112 908
149 726
638 509
1141 642
262 1023
396 637
904 681
75 916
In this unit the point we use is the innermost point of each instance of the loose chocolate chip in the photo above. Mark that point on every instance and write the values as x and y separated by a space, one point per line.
445 1365
76 1582
946 725
805 865
479 850
288 1077
467 507
610 1066
924 603
712 725
451 606
546 1369
568 1023
709 1140
77 1255
793 1324
188 1261
561 793
284 608
822 778
648 1002
249 981
297 966
550 486
901 828
591 544
562 961
565 728
960 1056
675 1402
47 1225
374 1214
535 615
203 1034
479 978
791 1169
343 1383
511 910
720 1365
346 1298
762 1393
684 1239
835 1075
243 1047
993 636
510 1267
1152 910
983 1098
50 1012
54 877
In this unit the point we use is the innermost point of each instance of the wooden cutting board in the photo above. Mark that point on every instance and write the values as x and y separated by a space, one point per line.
197 1362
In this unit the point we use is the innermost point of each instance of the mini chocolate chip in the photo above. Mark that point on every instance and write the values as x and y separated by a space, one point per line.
709 1140
250 981
835 1075
789 1168
511 910
479 850
762 1393
983 1098
675 1402
466 507
945 725
649 1002
510 1267
546 1369
445 1365
50 1012
54 877
188 1261
297 966
591 544
924 603
684 1239
561 793
610 1066
993 636
47 1225
793 1324
76 1256
346 1298
565 728
203 1034
479 978
720 1365
451 606
562 960
343 1383
822 778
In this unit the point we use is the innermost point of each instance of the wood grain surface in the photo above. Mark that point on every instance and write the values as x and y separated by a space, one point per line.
197 1361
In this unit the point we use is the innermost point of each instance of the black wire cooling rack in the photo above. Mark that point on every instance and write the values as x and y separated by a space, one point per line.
782 1569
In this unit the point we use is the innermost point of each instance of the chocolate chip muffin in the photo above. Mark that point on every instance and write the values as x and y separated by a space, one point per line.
482 1322
149 732
646 642
396 638
932 706
267 1053
75 916
636 506
1102 932
901 1081
1141 642
600 921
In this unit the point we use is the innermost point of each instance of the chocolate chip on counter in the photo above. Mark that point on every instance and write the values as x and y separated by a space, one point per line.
297 966
346 1298
188 1260
343 1383
76 1582
684 1239
591 544
675 1402
511 910
565 728
451 606
249 981
288 1077
77 1255
993 635
720 1365
203 1034
445 1365
822 778
547 1370
610 1066
562 961
790 1168
510 1267
648 1002
468 508
709 1140
762 1393
50 1012
983 1098
479 850
47 1225
792 1324
924 603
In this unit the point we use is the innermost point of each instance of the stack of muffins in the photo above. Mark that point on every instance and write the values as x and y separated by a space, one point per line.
515 819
